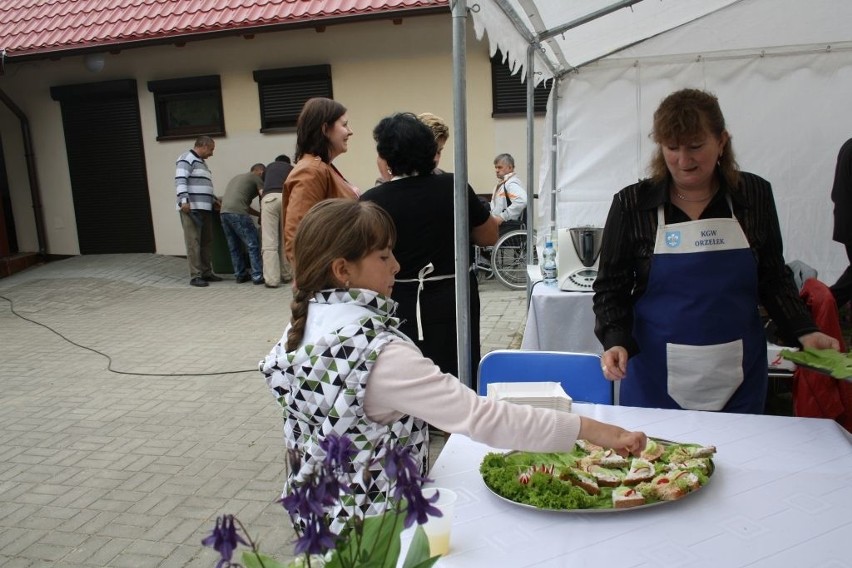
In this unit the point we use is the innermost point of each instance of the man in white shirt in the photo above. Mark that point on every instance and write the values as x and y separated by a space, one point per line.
195 204
509 200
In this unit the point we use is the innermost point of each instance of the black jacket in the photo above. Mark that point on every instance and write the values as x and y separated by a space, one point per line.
627 248
841 195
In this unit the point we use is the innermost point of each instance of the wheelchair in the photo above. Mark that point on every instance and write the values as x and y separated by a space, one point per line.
506 261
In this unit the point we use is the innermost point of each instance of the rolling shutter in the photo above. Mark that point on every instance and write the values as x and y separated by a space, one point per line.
106 162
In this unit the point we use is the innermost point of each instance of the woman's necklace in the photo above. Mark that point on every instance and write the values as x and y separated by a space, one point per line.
681 196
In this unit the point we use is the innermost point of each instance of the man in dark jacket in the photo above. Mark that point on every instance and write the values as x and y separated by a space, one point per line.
841 195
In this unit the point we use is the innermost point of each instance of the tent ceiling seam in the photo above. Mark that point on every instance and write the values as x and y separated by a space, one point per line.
730 55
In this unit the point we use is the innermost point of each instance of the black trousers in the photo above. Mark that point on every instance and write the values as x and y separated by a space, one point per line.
842 289
509 226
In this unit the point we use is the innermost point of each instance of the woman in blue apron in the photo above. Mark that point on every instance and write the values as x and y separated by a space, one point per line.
687 256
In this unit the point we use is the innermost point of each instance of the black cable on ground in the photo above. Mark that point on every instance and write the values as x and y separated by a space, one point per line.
109 359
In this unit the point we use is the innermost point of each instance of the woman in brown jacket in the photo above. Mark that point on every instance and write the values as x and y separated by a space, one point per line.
322 134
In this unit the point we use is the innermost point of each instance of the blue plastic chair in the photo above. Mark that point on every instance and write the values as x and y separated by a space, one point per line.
579 373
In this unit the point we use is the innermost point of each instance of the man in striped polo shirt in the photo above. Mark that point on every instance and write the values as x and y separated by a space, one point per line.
195 202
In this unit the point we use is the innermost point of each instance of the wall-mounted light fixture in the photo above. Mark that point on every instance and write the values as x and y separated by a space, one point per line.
94 62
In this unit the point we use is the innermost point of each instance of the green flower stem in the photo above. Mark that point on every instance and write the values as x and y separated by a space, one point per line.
252 543
395 517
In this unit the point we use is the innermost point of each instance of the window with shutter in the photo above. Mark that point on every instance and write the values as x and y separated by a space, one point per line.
283 93
509 93
188 107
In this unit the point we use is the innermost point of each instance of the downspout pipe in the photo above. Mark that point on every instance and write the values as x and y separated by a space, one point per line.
29 155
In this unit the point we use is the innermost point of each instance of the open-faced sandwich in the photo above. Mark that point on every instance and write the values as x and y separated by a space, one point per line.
625 497
592 477
640 470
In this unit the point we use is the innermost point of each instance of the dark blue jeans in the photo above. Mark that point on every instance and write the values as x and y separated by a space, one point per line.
240 230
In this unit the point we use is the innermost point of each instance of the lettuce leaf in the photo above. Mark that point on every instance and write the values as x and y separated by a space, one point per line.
827 361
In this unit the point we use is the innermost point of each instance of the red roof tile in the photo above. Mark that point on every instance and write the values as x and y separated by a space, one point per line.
43 27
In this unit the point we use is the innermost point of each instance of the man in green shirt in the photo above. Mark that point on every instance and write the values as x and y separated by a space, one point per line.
239 228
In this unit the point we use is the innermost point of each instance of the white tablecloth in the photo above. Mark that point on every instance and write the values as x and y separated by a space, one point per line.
560 321
781 496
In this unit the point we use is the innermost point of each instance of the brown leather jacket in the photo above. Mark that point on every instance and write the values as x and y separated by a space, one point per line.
310 182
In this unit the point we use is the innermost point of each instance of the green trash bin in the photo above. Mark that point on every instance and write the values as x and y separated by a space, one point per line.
220 256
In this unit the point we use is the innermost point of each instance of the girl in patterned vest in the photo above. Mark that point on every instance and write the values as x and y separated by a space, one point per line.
343 368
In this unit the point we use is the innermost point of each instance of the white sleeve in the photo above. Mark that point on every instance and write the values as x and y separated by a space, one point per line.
518 197
403 381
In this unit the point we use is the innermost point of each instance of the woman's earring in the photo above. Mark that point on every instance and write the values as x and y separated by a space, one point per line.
346 284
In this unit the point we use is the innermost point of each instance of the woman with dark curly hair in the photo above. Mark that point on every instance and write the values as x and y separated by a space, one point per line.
421 204
686 258
322 134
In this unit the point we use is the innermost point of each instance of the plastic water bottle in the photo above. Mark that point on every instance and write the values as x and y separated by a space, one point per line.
548 265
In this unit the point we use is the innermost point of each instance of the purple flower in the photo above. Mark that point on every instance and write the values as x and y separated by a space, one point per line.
307 503
320 490
339 451
316 538
403 471
309 500
224 539
302 501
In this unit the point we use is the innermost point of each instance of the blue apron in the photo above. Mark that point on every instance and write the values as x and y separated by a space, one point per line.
697 324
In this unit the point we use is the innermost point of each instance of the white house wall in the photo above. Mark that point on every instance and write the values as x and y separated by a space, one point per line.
377 68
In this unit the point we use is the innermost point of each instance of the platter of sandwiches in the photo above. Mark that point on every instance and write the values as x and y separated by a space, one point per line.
593 479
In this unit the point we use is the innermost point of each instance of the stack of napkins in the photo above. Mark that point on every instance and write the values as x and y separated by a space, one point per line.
541 395
776 361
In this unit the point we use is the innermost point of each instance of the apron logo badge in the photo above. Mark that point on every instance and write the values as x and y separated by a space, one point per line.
672 239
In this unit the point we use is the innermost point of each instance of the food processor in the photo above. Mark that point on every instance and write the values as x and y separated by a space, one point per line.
578 253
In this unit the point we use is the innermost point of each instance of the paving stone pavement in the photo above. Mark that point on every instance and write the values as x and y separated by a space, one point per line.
125 457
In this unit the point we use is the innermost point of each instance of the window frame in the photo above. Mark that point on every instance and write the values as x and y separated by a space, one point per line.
168 91
509 93
288 89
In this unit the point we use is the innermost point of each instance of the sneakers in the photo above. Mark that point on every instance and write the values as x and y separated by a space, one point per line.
212 278
243 278
258 282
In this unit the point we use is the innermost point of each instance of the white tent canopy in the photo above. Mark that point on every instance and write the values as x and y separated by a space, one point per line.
782 70
571 34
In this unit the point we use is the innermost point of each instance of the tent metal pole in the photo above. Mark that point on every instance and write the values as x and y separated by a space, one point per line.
586 19
554 94
530 158
462 231
525 33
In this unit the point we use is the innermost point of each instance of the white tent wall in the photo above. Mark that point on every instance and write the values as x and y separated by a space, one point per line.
786 103
786 126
